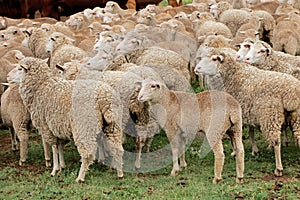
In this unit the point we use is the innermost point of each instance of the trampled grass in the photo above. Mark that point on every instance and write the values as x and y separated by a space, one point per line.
33 181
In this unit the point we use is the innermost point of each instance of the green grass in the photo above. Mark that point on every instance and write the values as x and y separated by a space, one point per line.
33 181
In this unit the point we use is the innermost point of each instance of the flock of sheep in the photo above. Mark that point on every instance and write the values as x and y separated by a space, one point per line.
105 72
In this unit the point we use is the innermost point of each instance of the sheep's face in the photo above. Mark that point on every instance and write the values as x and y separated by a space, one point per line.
209 65
214 10
15 75
110 7
128 45
257 54
75 21
243 50
89 13
100 61
149 91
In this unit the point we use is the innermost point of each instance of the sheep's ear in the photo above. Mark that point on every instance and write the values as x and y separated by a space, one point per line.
27 33
238 46
24 68
60 68
5 84
138 85
46 60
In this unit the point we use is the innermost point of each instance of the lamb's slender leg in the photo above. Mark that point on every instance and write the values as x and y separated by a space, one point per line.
139 146
46 152
14 142
61 155
255 150
181 146
279 168
148 144
219 161
239 157
23 137
85 163
55 160
174 142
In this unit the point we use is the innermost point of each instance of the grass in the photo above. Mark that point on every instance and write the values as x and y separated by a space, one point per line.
165 2
33 181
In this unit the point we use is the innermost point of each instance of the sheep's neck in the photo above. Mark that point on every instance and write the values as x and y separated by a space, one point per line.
134 55
230 73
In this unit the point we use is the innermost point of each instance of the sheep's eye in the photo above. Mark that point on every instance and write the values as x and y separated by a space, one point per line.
214 59
153 86
262 51
247 46
52 39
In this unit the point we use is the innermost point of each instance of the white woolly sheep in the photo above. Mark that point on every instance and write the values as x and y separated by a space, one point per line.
17 118
182 115
273 94
62 49
264 57
133 111
65 110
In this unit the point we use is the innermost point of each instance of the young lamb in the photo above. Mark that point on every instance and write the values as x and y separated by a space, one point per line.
272 95
67 110
17 118
182 115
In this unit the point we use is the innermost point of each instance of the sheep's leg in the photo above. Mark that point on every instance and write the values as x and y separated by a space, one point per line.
85 163
148 144
181 148
139 146
46 152
279 168
23 136
255 150
14 142
239 156
118 159
174 142
285 135
61 155
55 160
219 160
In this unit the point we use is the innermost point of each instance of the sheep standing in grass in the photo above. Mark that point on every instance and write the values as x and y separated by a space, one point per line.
182 115
272 95
17 118
65 110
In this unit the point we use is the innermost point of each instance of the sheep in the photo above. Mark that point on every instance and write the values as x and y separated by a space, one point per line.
156 55
7 22
133 111
66 110
62 50
7 63
273 94
36 40
270 6
77 21
264 57
243 48
182 115
7 45
217 41
11 32
287 40
114 8
17 118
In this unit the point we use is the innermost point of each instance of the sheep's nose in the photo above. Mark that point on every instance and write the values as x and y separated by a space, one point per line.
238 57
140 97
246 60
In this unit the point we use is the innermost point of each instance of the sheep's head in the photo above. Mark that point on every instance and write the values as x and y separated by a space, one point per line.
149 90
208 65
111 7
56 40
3 24
33 66
257 53
244 48
15 75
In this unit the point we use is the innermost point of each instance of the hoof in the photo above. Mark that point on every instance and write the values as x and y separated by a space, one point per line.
21 163
233 154
80 180
216 181
278 172
48 163
239 180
